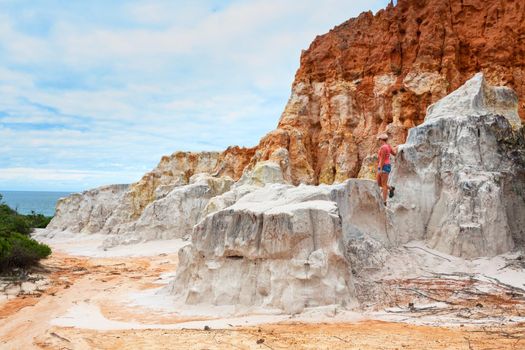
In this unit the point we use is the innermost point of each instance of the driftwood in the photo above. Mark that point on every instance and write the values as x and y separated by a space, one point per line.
508 286
426 251
518 335
335 336
474 276
60 337
427 296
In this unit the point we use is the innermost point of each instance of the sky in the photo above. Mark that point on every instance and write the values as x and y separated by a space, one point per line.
95 92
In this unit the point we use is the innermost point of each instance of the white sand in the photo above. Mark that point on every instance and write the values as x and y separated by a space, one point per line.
88 316
91 245
414 260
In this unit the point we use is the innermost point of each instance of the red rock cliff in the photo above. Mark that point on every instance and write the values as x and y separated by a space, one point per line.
380 72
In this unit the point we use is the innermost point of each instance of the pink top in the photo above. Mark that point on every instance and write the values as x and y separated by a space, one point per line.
385 151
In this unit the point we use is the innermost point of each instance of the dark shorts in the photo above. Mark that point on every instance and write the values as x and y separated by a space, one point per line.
386 168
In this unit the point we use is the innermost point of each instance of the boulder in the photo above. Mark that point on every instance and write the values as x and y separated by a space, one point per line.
281 247
261 174
460 177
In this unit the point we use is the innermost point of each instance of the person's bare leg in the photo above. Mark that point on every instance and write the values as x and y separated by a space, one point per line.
384 185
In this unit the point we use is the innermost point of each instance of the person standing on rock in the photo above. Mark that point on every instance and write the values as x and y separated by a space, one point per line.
383 165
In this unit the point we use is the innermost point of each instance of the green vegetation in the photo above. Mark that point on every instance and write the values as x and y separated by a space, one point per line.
17 249
37 220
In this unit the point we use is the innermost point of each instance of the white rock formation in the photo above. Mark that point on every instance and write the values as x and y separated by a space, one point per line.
460 178
263 173
88 212
460 183
281 247
120 209
171 172
477 98
175 214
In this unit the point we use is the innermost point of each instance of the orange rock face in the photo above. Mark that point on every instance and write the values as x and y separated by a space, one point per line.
174 170
178 168
233 160
379 73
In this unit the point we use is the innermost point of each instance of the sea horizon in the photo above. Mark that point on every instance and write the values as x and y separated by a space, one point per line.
27 201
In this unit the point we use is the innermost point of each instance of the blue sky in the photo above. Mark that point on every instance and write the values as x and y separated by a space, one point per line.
95 92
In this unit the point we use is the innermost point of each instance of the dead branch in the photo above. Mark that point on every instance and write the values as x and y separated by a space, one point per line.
439 256
268 346
60 337
335 336
508 286
428 296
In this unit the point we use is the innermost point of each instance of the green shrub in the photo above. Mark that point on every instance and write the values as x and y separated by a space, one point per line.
20 251
17 249
35 220
11 221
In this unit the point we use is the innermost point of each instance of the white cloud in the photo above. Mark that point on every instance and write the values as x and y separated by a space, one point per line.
20 46
148 78
53 174
61 179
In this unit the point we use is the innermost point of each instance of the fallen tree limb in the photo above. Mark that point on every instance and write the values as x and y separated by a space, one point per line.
428 296
439 256
60 337
335 336
508 286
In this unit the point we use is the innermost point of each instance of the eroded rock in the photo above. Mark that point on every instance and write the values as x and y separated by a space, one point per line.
281 247
88 212
460 178
175 214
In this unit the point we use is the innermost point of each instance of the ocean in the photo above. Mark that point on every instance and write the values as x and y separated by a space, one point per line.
39 202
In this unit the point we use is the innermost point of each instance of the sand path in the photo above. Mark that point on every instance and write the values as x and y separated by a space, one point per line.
76 282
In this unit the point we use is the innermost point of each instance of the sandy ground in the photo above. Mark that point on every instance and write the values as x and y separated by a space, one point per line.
84 303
